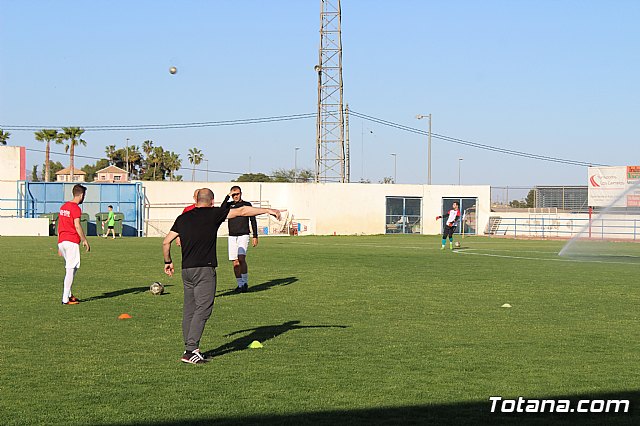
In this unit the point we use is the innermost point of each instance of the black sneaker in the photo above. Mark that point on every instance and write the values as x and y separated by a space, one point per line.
238 289
192 358
197 352
245 288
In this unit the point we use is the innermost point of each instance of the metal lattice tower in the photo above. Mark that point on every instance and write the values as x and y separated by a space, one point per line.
330 147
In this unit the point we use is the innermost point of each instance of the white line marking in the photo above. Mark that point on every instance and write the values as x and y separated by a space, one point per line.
541 258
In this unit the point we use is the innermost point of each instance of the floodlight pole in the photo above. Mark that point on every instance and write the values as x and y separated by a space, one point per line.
420 117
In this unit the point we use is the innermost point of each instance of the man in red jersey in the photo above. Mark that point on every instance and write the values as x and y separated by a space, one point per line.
70 235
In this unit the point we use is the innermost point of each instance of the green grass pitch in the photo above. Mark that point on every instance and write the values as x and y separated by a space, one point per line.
357 330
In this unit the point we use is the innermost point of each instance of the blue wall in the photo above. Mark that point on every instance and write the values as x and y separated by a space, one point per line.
126 198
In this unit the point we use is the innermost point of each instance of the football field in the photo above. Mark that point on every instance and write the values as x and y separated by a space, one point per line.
357 330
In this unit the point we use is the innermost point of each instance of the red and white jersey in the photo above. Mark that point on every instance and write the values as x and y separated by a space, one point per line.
454 215
66 228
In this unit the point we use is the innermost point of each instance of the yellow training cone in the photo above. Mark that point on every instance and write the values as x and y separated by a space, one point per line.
506 305
255 345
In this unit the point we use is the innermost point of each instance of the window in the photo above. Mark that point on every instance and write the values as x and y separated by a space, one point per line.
403 215
116 177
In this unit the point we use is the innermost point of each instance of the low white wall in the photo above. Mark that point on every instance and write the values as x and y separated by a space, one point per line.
324 209
8 198
19 227
320 209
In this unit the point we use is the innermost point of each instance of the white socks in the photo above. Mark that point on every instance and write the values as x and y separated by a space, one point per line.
68 282
244 279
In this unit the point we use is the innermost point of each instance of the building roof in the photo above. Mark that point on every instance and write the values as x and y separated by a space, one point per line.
111 169
67 171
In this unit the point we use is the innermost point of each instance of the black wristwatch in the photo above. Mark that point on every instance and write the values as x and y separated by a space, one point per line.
168 263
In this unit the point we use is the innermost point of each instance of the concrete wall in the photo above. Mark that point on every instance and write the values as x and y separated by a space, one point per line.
320 209
12 163
324 209
8 198
15 227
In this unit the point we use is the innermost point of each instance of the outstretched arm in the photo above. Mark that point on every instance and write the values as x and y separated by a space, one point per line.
253 211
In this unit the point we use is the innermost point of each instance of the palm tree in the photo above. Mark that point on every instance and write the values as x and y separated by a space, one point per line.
4 137
135 157
110 151
72 134
147 148
195 157
156 157
47 136
173 163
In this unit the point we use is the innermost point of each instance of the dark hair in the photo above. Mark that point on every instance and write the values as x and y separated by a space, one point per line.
234 187
78 190
110 206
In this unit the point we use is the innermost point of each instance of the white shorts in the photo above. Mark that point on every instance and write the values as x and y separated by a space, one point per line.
238 246
71 253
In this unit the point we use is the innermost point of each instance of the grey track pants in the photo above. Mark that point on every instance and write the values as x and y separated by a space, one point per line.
199 292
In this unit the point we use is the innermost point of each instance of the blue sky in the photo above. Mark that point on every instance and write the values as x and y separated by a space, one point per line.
555 78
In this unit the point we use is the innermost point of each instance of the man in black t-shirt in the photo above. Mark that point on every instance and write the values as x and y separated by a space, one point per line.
239 239
198 231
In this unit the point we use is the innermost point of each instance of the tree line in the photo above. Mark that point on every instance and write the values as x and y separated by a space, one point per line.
147 162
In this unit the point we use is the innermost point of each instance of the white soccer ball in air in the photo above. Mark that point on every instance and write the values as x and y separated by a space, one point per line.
173 70
457 244
156 288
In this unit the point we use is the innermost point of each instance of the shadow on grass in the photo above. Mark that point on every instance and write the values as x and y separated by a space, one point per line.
263 287
463 413
133 290
261 334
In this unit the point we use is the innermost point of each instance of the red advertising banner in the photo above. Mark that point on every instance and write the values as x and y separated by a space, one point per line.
633 173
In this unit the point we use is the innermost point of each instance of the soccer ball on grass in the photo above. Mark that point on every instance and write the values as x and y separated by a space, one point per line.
456 244
156 288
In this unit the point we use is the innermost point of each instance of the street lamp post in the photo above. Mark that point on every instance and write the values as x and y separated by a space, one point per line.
362 152
126 154
459 162
395 169
295 164
420 117
207 161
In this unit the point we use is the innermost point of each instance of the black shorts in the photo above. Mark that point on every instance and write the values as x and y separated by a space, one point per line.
448 231
109 227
